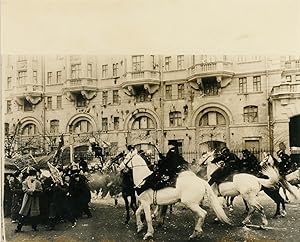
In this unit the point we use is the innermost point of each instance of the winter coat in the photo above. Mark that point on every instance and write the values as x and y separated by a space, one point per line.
17 197
31 204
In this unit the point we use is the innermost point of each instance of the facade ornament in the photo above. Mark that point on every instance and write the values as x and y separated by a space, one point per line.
33 99
70 96
88 94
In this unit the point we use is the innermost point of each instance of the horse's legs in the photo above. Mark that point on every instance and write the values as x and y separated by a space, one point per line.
284 192
127 207
139 222
199 222
246 205
254 205
162 213
133 204
150 229
276 197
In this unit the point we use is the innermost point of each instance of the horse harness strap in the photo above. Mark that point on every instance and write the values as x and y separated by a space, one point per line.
154 197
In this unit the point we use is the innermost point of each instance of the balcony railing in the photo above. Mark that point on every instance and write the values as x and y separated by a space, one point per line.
81 82
29 88
209 68
286 88
293 64
146 74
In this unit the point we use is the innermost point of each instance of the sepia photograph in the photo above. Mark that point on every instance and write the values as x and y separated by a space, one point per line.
132 121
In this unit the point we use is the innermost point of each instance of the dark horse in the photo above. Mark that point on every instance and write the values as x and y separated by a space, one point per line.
128 191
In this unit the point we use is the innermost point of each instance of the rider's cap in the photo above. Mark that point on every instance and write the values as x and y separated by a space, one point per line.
173 142
224 150
130 147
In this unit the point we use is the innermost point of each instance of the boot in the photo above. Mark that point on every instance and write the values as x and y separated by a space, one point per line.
19 227
147 185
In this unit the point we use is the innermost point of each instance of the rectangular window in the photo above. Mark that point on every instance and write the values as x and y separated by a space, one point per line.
89 70
153 62
297 78
288 78
49 102
193 60
22 75
104 124
59 102
8 106
6 129
54 126
27 106
75 71
115 69
167 63
180 61
116 99
104 97
9 82
243 85
58 77
104 71
49 77
168 91
80 101
116 123
35 77
137 63
180 91
256 84
251 114
175 119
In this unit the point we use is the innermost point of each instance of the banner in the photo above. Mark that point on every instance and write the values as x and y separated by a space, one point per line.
56 177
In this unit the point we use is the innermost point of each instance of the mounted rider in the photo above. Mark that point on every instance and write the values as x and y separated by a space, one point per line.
285 164
166 170
231 164
250 163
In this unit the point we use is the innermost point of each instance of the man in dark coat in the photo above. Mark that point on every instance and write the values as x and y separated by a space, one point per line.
32 188
7 196
231 163
166 171
285 164
81 196
83 165
250 164
17 195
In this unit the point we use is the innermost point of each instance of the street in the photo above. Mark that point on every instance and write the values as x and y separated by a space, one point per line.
107 224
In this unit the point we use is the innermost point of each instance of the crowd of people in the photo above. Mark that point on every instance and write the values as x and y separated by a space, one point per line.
36 197
33 197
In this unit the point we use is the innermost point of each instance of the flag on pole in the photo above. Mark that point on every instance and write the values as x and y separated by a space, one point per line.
56 177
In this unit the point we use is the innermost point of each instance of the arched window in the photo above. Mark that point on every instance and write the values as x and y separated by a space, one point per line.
82 126
251 114
29 130
212 119
175 119
6 130
54 126
143 122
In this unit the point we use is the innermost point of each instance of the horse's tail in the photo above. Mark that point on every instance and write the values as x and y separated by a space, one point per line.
216 205
273 177
286 185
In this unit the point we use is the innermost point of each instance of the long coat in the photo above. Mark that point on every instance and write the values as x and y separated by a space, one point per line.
31 203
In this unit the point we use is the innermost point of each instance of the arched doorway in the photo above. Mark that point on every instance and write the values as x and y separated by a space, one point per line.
295 131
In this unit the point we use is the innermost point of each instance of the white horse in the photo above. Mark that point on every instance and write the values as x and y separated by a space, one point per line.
190 190
246 185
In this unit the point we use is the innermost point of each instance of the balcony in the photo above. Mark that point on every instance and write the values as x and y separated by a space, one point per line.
220 70
286 91
148 79
31 92
292 65
87 87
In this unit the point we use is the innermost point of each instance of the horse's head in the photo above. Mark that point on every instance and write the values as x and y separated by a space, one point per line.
207 157
126 163
268 160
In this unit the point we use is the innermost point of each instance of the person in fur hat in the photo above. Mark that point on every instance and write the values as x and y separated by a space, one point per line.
32 188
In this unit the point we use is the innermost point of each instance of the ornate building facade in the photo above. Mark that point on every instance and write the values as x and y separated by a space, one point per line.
202 101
